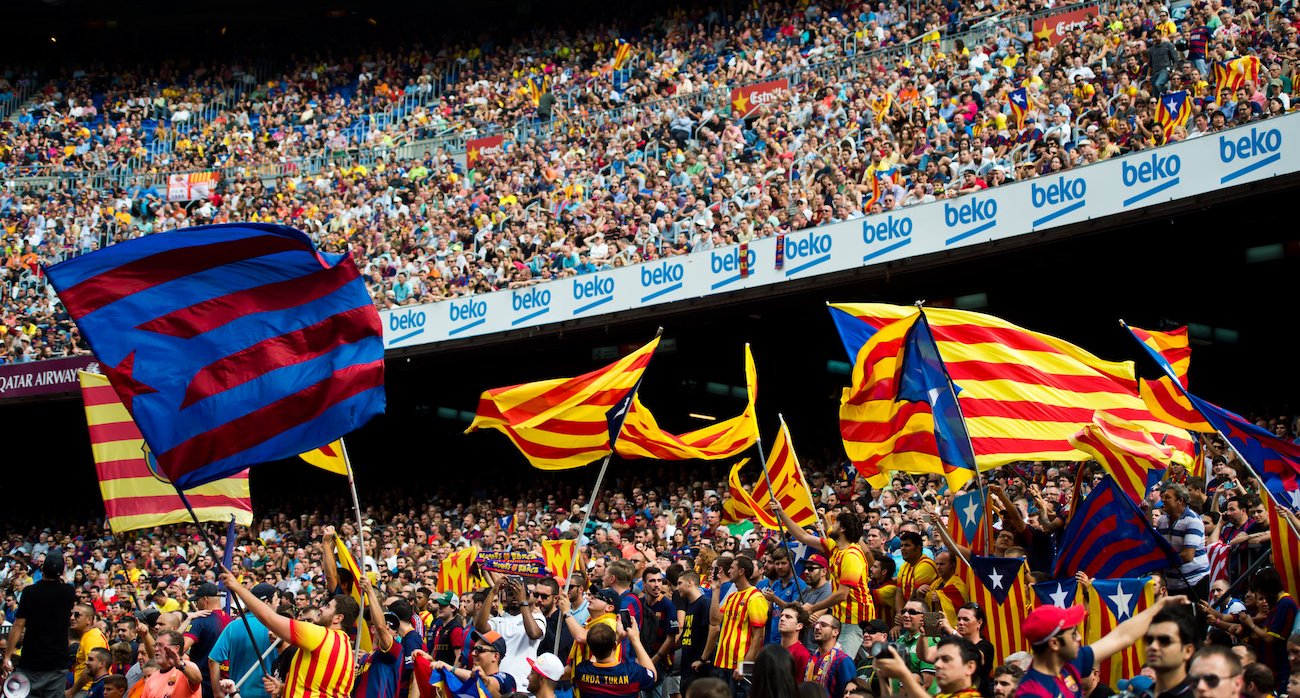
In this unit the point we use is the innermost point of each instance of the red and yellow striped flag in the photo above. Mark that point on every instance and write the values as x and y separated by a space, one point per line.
1003 618
566 422
454 572
328 457
623 53
788 482
1126 451
1022 393
1173 345
1166 401
135 496
558 557
1286 546
642 437
344 558
1111 602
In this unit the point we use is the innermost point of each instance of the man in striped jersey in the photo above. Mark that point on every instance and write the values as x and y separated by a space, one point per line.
324 665
741 621
850 600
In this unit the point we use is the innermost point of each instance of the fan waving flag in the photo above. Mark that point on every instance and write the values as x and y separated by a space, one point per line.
345 561
230 345
557 555
901 413
135 496
566 422
642 438
1109 537
1126 451
1172 112
1022 393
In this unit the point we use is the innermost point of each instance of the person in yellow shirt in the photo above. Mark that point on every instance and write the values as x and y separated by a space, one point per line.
83 625
740 620
917 571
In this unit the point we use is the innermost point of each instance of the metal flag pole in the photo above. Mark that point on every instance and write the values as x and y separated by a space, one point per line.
952 387
821 530
361 539
243 612
771 494
595 492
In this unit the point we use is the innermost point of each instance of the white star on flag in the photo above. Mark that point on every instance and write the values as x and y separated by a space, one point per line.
1121 602
996 579
1059 596
1295 498
974 506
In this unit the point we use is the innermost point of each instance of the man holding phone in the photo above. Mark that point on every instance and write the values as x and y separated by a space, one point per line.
605 674
955 665
740 621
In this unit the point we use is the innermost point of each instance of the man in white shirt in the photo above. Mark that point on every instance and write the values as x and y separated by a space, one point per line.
520 625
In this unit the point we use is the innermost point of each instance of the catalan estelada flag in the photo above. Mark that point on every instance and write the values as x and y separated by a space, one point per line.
454 573
136 497
880 104
230 345
1109 537
1018 101
966 519
1166 401
1022 394
1172 111
446 685
1062 593
901 413
345 561
1111 602
507 524
1126 451
1286 547
328 457
566 422
1000 585
557 555
1173 348
642 438
622 54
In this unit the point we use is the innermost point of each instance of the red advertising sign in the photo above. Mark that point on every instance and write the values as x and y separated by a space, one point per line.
482 148
1049 31
747 99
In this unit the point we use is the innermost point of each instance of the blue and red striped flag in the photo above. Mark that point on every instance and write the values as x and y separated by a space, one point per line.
231 345
1109 537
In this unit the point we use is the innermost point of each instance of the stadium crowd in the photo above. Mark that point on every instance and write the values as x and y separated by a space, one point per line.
667 598
879 116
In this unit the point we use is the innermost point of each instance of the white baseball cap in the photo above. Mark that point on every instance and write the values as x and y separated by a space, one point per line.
547 665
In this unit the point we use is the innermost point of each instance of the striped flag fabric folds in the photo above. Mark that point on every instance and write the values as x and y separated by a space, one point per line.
787 480
1167 402
328 457
344 557
1110 537
566 422
900 413
1000 586
557 555
1111 602
1173 349
1127 451
642 438
134 496
230 345
1286 547
454 572
1022 393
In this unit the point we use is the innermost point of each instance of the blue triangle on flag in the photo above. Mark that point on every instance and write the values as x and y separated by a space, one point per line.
997 574
969 510
1121 596
1060 593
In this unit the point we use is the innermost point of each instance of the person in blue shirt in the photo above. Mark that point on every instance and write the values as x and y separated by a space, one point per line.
234 653
603 676
779 583
381 670
202 633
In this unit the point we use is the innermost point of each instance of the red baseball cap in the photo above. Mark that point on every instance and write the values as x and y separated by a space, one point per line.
1046 622
816 560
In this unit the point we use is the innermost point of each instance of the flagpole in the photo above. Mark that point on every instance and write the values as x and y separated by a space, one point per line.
361 539
821 530
771 494
243 612
952 387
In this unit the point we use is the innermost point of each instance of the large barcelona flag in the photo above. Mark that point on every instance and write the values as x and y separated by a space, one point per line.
230 345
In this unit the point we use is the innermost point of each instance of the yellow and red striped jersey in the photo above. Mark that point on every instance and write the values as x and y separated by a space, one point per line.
744 614
324 665
848 567
913 576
